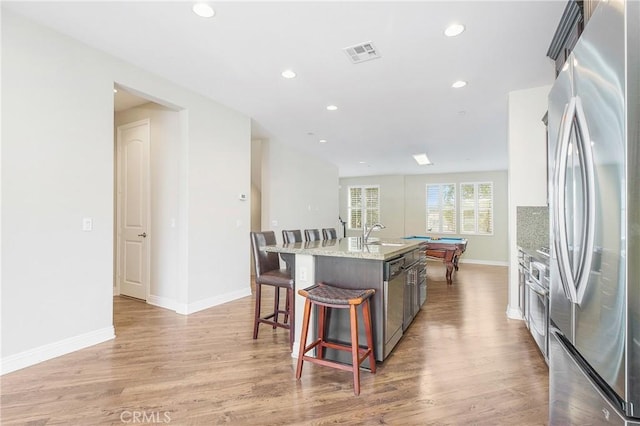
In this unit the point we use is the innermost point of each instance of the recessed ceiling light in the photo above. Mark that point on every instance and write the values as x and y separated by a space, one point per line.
115 90
458 84
454 30
422 159
288 74
332 107
362 162
323 141
203 10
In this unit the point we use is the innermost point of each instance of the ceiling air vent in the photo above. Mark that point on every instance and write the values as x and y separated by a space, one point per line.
362 52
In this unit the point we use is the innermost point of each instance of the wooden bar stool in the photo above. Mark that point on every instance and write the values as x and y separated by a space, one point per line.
327 296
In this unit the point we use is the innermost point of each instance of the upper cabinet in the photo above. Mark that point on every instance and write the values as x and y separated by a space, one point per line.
567 34
574 18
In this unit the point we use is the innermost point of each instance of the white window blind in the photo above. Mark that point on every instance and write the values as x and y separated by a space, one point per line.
441 208
476 208
363 203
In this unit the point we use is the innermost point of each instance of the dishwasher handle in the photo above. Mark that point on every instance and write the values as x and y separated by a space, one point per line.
411 265
393 268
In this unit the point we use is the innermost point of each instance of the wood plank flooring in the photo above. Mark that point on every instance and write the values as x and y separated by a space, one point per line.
462 362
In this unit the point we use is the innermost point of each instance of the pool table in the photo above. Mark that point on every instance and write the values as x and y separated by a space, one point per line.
445 248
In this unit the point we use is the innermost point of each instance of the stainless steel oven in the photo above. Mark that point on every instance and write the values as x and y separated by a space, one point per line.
537 305
524 260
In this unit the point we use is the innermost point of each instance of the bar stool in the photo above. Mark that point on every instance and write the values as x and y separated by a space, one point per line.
326 296
311 235
329 233
268 272
291 236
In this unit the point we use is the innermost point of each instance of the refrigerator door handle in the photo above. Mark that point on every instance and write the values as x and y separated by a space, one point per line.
574 280
560 226
586 256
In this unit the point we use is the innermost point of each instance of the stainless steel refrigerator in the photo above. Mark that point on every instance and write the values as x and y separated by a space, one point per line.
594 204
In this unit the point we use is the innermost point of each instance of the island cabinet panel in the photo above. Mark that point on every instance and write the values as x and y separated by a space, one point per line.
353 273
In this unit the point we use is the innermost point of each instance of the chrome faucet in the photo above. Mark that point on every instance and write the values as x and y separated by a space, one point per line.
366 232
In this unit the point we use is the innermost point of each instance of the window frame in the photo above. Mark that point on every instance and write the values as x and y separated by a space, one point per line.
363 200
440 208
476 209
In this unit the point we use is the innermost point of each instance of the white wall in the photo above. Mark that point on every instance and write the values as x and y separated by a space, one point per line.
164 174
527 146
57 167
402 209
298 191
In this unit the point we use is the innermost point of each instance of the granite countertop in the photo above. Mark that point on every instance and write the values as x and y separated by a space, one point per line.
352 247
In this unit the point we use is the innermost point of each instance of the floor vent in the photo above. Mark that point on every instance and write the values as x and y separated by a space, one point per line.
362 52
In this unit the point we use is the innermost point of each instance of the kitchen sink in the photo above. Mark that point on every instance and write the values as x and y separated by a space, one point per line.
385 243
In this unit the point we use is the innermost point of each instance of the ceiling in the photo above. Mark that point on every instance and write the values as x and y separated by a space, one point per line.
388 108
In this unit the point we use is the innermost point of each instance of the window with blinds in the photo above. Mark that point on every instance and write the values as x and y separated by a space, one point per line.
363 203
476 208
441 208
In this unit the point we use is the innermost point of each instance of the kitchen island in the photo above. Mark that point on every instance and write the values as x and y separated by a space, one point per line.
390 266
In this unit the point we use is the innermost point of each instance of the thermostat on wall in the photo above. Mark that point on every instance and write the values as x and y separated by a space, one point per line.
242 197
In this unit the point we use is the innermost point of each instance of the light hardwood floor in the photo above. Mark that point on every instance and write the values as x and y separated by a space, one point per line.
462 362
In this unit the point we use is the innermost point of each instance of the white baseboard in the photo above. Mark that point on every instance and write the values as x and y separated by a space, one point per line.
514 312
186 309
54 350
485 262
162 302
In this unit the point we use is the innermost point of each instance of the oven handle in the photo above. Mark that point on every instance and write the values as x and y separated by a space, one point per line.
537 289
539 266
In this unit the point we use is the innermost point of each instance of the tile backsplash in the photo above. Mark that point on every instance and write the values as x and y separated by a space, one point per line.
532 226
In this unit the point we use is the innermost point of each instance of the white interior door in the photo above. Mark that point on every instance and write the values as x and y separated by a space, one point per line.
133 209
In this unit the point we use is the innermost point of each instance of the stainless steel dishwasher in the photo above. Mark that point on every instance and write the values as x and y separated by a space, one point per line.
412 288
394 283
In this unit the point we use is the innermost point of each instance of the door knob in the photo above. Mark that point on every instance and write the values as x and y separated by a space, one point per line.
143 235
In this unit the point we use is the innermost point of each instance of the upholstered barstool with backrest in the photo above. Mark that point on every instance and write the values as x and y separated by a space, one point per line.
328 296
268 272
291 236
311 235
329 233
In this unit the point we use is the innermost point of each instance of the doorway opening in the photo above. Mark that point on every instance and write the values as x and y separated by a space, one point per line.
147 135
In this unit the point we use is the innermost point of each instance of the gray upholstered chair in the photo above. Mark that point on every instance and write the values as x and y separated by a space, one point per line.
329 234
311 235
268 272
291 236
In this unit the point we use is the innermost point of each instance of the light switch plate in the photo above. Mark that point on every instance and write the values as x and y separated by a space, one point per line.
87 224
